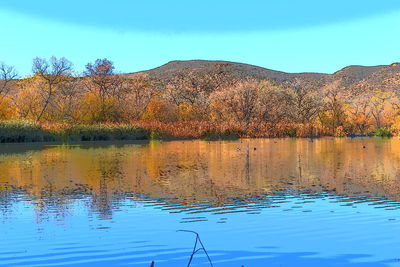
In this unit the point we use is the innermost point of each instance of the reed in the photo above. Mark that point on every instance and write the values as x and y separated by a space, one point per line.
28 131
19 131
190 130
227 130
104 132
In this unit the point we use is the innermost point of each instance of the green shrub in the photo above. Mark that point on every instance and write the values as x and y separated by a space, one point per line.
105 132
225 135
383 132
159 135
18 131
292 132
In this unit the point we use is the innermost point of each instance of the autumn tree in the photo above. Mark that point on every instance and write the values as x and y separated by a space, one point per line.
7 75
379 101
247 102
272 106
54 73
359 114
190 90
303 100
28 100
139 92
161 110
333 113
106 88
67 101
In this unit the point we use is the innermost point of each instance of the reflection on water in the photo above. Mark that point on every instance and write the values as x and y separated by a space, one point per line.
264 202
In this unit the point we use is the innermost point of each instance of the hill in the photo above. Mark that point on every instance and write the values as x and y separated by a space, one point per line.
355 78
168 70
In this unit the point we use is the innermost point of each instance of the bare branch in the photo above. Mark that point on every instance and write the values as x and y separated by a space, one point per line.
7 74
54 71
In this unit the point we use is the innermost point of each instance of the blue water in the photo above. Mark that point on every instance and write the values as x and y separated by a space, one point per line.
288 226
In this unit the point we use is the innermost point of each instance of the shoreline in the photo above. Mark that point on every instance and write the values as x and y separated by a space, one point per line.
24 131
146 141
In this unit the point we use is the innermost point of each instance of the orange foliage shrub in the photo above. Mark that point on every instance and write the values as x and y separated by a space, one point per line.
7 111
160 110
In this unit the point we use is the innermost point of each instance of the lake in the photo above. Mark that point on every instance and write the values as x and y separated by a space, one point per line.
255 202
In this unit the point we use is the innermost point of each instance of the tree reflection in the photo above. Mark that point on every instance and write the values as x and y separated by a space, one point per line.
182 173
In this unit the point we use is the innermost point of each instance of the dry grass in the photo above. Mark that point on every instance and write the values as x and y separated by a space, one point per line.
27 131
213 130
189 130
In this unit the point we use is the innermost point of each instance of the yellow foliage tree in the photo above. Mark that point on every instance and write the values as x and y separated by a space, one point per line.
160 110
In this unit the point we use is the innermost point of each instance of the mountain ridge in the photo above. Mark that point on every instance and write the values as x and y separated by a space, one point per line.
352 76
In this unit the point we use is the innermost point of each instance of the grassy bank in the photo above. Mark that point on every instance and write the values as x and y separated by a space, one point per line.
20 131
104 132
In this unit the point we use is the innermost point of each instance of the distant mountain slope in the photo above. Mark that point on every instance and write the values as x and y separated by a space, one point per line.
354 78
168 70
386 78
351 75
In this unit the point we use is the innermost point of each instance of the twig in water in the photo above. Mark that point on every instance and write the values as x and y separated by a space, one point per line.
195 249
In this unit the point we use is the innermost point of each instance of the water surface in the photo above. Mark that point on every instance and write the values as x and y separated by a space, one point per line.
261 202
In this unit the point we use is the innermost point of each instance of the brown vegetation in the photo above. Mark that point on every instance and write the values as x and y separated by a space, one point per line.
195 100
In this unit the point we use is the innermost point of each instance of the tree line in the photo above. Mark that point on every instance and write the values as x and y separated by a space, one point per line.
55 93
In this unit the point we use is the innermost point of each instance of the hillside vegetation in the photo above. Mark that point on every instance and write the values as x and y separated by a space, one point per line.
209 99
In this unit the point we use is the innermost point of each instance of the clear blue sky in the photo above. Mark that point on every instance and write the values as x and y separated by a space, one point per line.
287 35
